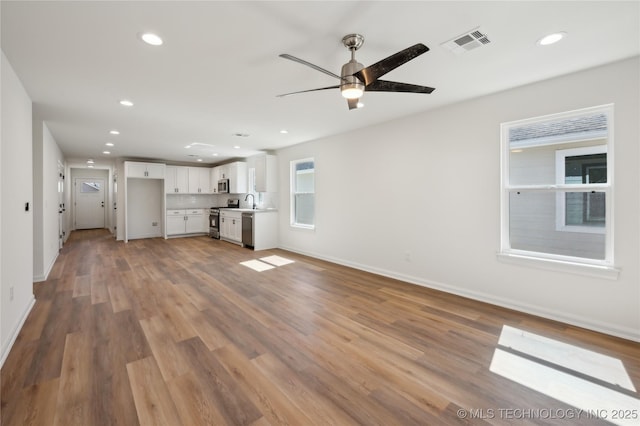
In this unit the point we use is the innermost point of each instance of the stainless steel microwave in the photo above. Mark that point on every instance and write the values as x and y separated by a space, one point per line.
223 186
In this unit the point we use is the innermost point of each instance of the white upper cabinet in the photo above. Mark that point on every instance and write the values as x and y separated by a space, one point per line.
199 180
215 177
266 173
223 171
237 173
144 170
176 180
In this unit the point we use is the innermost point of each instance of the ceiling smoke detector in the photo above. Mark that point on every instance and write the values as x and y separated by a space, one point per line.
467 41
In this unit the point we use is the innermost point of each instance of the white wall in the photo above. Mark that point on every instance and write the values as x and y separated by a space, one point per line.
145 200
46 156
419 199
16 224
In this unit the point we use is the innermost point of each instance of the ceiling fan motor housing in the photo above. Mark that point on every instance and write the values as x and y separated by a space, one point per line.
351 87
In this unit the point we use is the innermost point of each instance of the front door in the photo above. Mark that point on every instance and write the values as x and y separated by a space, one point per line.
89 207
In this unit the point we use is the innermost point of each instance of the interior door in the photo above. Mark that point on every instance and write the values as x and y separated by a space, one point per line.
61 206
89 203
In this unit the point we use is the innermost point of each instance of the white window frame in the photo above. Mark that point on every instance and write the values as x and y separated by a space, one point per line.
293 193
592 267
257 196
561 156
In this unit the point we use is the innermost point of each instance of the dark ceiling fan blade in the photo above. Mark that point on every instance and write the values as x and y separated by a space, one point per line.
309 64
373 72
310 90
353 103
394 86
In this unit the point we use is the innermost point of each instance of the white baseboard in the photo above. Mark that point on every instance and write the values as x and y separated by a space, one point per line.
16 330
606 328
141 236
41 278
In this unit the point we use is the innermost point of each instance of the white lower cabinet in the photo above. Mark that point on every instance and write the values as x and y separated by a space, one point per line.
231 226
186 221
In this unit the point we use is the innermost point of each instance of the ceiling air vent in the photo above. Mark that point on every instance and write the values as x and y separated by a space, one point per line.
467 41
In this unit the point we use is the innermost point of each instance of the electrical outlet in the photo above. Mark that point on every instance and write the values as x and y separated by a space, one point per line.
154 223
10 293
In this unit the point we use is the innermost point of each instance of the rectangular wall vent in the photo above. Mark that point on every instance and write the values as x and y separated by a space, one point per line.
467 41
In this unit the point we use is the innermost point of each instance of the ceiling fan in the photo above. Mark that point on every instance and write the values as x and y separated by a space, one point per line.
355 79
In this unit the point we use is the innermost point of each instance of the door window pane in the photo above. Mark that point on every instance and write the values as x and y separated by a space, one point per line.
90 187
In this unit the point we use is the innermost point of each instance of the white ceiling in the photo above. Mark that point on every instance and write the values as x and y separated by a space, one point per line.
218 72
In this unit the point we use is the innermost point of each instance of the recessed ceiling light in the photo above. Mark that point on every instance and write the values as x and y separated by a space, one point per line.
284 131
199 159
236 147
215 154
89 161
152 39
108 144
188 146
551 38
106 152
126 103
90 166
114 132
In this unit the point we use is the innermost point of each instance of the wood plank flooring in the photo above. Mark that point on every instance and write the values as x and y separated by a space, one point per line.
176 332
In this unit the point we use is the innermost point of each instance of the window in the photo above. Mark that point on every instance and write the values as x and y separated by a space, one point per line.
90 187
581 211
557 187
257 196
303 193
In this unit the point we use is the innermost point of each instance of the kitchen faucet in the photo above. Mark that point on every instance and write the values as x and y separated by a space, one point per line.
253 198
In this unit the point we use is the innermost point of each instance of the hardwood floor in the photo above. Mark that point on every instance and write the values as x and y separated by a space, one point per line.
176 332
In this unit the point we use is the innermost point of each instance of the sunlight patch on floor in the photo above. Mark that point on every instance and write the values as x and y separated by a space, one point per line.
266 263
256 265
276 260
567 373
584 361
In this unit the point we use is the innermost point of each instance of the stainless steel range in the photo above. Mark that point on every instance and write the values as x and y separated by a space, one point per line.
214 217
214 222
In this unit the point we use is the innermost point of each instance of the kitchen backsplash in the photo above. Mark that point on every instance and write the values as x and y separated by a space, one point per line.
204 201
191 201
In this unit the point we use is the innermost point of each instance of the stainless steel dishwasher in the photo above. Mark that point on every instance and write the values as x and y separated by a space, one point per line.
247 229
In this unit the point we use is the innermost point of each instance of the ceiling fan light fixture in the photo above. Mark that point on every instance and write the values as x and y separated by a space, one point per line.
351 91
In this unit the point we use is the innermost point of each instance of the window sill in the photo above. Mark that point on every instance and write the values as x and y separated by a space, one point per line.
301 226
591 270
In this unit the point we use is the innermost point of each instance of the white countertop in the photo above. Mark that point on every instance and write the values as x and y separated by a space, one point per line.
250 210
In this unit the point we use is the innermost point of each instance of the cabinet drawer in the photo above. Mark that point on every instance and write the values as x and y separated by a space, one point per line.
195 211
176 212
